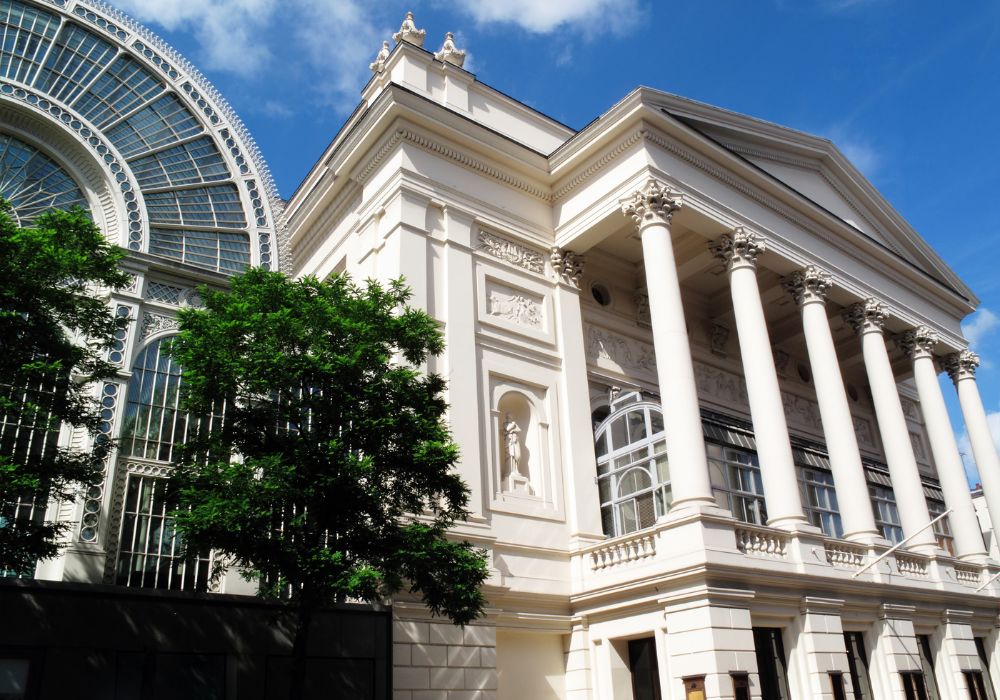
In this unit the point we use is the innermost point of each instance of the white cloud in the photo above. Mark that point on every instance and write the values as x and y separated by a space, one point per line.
979 325
229 32
543 16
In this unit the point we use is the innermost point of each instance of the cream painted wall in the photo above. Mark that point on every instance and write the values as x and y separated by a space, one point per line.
530 665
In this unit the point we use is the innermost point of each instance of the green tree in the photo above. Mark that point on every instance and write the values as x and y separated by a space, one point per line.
343 486
54 334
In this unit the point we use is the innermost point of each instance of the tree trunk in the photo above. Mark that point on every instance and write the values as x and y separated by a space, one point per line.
300 649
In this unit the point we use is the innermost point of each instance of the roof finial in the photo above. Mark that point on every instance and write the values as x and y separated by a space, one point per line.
408 32
450 53
379 65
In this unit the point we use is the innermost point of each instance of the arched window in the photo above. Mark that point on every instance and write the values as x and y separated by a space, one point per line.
154 425
633 476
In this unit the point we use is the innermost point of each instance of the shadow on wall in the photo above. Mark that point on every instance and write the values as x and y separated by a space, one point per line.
63 641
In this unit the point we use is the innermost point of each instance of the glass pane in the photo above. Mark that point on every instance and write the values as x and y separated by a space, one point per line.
632 481
656 421
627 516
662 469
619 434
636 425
14 678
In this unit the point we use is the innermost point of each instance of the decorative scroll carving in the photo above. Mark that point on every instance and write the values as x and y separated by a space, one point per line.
449 53
867 316
378 65
409 33
641 300
718 336
511 252
155 323
864 433
810 284
515 308
910 409
653 204
566 266
918 342
627 353
781 359
132 285
741 248
961 365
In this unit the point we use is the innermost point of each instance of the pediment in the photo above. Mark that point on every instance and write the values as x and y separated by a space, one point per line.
818 171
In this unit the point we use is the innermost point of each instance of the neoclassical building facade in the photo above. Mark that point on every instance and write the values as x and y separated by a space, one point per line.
692 363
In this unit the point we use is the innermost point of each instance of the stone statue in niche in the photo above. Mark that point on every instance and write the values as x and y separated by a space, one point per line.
513 457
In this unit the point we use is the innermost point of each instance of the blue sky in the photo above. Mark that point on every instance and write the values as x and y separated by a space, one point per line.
908 89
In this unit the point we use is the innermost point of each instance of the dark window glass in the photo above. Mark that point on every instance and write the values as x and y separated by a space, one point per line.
927 664
977 687
644 669
857 663
913 685
837 686
984 661
741 686
771 665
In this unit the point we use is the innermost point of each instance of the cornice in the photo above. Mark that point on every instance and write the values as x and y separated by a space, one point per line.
432 145
602 162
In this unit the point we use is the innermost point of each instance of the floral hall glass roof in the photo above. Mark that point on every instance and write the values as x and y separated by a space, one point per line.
188 179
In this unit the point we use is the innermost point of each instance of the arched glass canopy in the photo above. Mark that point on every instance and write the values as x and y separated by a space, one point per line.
34 183
191 182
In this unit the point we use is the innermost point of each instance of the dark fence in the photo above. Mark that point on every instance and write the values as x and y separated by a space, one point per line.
70 641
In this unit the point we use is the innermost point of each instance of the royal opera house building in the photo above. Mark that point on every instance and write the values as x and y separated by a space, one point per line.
693 363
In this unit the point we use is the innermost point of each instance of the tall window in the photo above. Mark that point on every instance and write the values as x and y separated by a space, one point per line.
771 664
927 665
984 661
886 513
148 556
820 500
633 476
154 425
857 664
737 482
942 528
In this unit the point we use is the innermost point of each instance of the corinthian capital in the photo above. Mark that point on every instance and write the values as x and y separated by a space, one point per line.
738 249
918 342
653 204
867 316
810 284
566 265
961 365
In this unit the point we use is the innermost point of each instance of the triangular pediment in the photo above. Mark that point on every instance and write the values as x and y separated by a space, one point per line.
815 169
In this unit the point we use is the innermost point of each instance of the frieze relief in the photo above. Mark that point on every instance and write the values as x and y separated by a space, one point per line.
625 354
511 252
609 349
515 307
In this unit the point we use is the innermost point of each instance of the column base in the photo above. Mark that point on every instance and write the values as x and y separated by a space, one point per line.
795 524
867 537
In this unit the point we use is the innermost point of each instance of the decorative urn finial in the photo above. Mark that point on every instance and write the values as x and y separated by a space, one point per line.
409 33
450 53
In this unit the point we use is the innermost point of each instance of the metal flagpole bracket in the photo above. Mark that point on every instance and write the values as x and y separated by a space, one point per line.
896 546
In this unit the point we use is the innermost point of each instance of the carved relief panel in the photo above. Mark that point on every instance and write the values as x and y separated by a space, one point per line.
510 303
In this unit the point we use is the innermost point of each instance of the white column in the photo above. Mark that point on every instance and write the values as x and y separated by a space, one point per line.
919 345
810 287
739 250
961 367
868 319
652 208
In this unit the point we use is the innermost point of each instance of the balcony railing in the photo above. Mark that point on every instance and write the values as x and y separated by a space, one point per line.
845 555
911 565
754 540
623 551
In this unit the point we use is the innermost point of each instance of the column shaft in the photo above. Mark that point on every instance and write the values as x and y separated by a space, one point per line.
652 208
903 471
781 488
962 368
810 288
951 473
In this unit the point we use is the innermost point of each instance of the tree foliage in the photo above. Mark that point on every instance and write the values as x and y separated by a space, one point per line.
54 334
343 483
